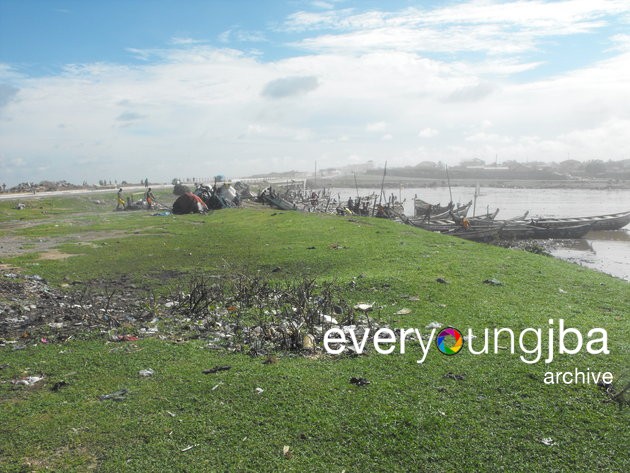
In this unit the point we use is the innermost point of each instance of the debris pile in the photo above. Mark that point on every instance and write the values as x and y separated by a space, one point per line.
239 312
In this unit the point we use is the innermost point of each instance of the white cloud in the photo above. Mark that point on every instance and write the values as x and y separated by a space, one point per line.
621 42
178 41
195 109
376 126
474 26
428 133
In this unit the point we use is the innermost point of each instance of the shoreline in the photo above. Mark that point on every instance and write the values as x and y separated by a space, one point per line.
397 181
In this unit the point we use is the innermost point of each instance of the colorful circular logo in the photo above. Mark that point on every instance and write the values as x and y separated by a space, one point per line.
449 341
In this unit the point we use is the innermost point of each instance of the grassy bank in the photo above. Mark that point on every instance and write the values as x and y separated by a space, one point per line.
488 412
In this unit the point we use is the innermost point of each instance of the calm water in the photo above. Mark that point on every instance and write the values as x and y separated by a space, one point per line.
606 251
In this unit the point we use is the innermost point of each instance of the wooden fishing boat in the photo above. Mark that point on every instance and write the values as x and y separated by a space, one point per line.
423 209
525 231
558 233
479 234
278 202
599 222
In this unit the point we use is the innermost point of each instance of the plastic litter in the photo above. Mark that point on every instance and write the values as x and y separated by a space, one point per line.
216 369
259 390
308 342
458 377
116 396
29 381
58 385
359 381
125 338
286 451
493 282
146 373
434 325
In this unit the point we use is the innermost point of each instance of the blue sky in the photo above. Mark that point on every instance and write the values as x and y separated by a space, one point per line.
165 88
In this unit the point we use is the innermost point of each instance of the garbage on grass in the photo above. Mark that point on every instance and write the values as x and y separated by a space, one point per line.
216 369
146 373
29 381
493 282
433 325
286 451
359 381
115 396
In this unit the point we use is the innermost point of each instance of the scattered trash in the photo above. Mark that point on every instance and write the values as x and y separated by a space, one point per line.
20 206
171 414
216 369
166 213
43 340
116 396
363 307
458 377
146 373
548 441
29 381
493 282
329 320
308 342
259 390
286 451
414 299
442 413
170 304
58 385
433 325
562 291
189 447
359 381
125 338
270 360
404 311
216 386
442 281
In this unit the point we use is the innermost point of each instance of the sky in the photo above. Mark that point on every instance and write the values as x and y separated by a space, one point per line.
123 90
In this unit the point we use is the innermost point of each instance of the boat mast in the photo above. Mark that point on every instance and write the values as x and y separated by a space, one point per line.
448 179
380 199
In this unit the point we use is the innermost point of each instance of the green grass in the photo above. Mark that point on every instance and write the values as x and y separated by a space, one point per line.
410 418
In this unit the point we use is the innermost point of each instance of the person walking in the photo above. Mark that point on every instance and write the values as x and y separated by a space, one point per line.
150 198
120 202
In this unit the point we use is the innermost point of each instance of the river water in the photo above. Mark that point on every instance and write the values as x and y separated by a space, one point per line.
606 251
